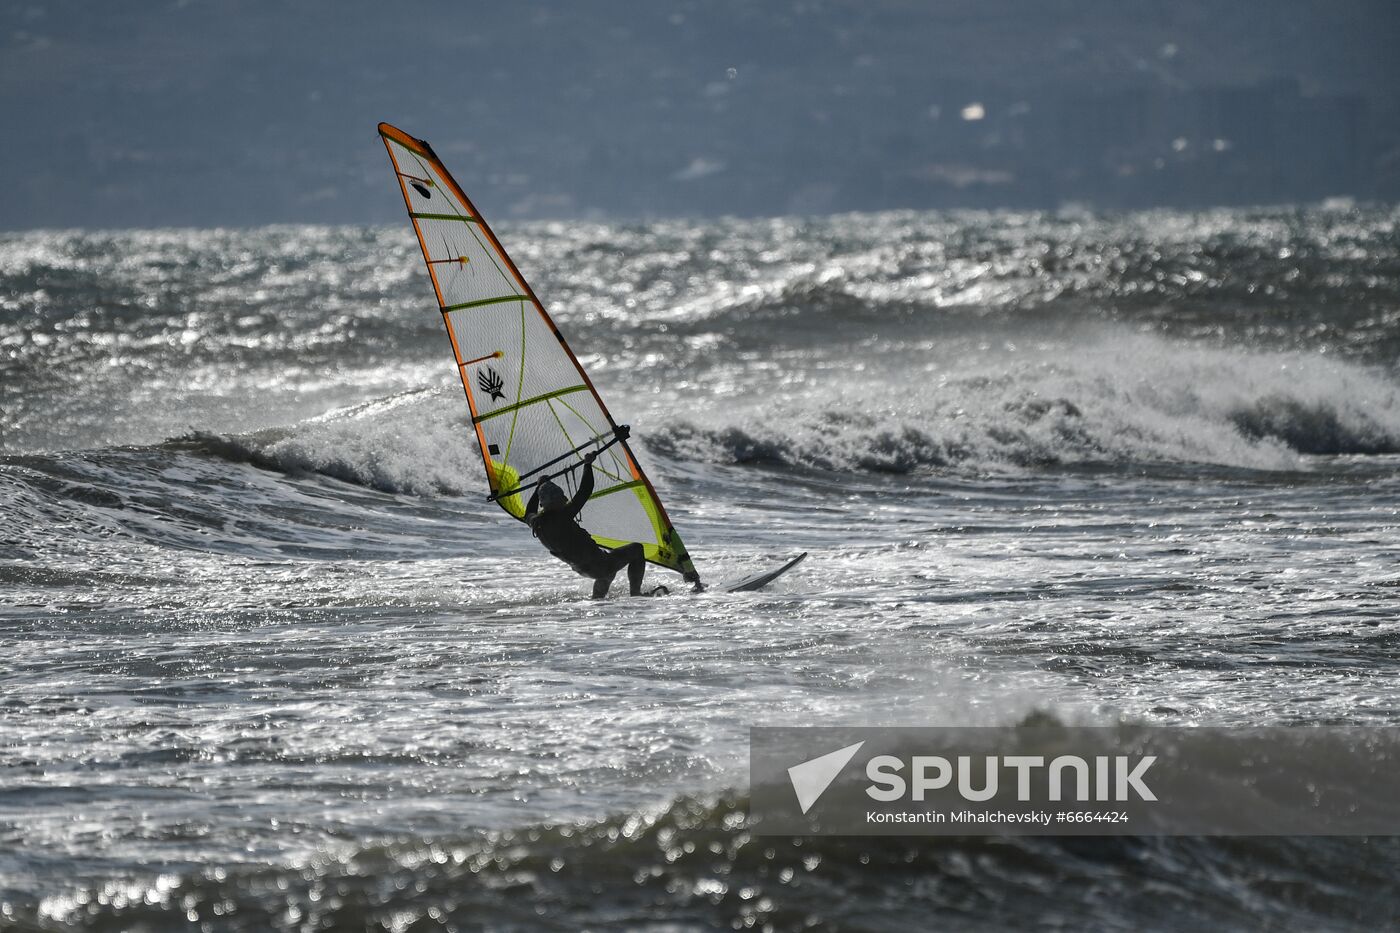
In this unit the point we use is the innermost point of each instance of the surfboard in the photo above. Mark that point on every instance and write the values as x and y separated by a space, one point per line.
757 581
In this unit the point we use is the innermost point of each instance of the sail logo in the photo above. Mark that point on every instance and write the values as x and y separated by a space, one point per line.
490 382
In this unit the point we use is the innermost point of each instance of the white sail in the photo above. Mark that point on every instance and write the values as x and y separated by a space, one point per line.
533 408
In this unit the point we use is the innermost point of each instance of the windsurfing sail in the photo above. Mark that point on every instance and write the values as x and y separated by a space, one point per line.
533 408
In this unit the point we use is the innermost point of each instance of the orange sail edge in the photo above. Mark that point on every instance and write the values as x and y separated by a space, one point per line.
399 136
394 133
666 549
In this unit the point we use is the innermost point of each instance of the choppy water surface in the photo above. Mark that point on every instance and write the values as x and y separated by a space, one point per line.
271 662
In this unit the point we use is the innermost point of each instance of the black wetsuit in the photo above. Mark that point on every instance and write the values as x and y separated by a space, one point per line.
559 531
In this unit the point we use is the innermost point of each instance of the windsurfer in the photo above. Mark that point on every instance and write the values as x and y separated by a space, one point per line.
553 517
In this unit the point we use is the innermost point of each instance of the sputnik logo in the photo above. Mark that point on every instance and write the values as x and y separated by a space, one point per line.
811 778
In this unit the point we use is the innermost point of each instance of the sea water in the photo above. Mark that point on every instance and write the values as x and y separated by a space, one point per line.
272 661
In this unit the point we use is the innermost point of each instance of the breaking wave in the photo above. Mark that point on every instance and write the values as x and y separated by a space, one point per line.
1119 401
416 443
1138 400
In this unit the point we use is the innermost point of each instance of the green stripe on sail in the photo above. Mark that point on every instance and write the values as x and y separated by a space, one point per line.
484 301
527 402
618 488
464 219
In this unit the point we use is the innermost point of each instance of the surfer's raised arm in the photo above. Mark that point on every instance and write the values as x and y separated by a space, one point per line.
585 486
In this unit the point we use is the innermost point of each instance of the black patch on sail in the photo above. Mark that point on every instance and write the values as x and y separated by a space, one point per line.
421 189
490 382
493 449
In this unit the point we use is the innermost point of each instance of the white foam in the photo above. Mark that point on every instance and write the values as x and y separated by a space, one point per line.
418 442
1112 397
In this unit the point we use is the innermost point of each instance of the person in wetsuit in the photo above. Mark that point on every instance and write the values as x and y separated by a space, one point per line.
553 517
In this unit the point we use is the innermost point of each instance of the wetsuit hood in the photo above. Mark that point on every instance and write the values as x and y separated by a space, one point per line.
552 497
